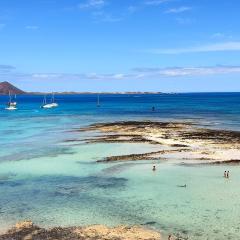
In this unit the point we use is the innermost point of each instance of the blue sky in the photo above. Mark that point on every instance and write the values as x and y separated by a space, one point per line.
120 45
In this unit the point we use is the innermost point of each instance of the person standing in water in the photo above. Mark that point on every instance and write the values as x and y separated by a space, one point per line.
154 168
227 174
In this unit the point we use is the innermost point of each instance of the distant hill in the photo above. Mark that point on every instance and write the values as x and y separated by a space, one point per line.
6 87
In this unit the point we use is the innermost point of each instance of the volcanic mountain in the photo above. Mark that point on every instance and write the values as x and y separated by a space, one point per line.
6 87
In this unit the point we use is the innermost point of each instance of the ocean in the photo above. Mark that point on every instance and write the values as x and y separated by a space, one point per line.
53 181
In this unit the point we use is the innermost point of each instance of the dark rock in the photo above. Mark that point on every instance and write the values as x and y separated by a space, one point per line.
6 87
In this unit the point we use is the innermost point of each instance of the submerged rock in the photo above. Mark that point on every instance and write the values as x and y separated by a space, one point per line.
23 225
185 142
28 231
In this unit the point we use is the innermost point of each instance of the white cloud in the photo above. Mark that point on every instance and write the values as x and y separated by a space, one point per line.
77 76
9 73
6 68
219 35
187 71
178 10
92 4
102 16
132 9
144 73
155 2
46 75
215 47
97 12
110 18
32 27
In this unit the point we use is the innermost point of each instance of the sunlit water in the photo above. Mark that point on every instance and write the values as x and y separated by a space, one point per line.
54 182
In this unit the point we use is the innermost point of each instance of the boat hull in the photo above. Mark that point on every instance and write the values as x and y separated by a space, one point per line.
50 105
11 108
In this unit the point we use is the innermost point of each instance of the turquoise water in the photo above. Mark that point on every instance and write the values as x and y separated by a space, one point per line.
54 182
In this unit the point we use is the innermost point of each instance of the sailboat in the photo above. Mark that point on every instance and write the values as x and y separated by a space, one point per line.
15 102
44 103
11 105
98 101
52 104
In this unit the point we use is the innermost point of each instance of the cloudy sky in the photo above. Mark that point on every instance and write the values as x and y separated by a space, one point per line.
127 45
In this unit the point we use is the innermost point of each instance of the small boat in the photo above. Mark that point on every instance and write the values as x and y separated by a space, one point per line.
52 104
11 105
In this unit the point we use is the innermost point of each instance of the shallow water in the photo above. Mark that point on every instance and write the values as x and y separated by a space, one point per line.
54 182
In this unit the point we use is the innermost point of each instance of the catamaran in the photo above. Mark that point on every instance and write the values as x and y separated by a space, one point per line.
11 105
52 104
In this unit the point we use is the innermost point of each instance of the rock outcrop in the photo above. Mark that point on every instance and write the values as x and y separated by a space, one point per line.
6 87
28 231
182 142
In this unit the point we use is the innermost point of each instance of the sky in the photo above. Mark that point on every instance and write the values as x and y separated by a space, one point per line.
121 45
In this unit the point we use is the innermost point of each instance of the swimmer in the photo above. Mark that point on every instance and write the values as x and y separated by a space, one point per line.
185 185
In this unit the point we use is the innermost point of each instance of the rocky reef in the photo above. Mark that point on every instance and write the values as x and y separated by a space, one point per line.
182 142
28 231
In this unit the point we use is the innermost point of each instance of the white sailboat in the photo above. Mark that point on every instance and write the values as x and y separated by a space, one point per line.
52 104
11 105
15 102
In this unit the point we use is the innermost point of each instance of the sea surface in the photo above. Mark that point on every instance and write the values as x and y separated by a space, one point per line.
46 177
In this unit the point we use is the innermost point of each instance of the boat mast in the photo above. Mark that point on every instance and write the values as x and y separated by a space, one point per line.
44 100
98 101
10 98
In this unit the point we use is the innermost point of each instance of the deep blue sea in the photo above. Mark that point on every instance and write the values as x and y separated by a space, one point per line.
45 178
210 108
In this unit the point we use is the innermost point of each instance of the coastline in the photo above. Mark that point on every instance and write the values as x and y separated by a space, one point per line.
181 142
89 93
27 230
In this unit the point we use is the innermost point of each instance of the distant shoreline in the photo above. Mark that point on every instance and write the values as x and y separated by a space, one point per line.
90 93
6 88
114 93
94 93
